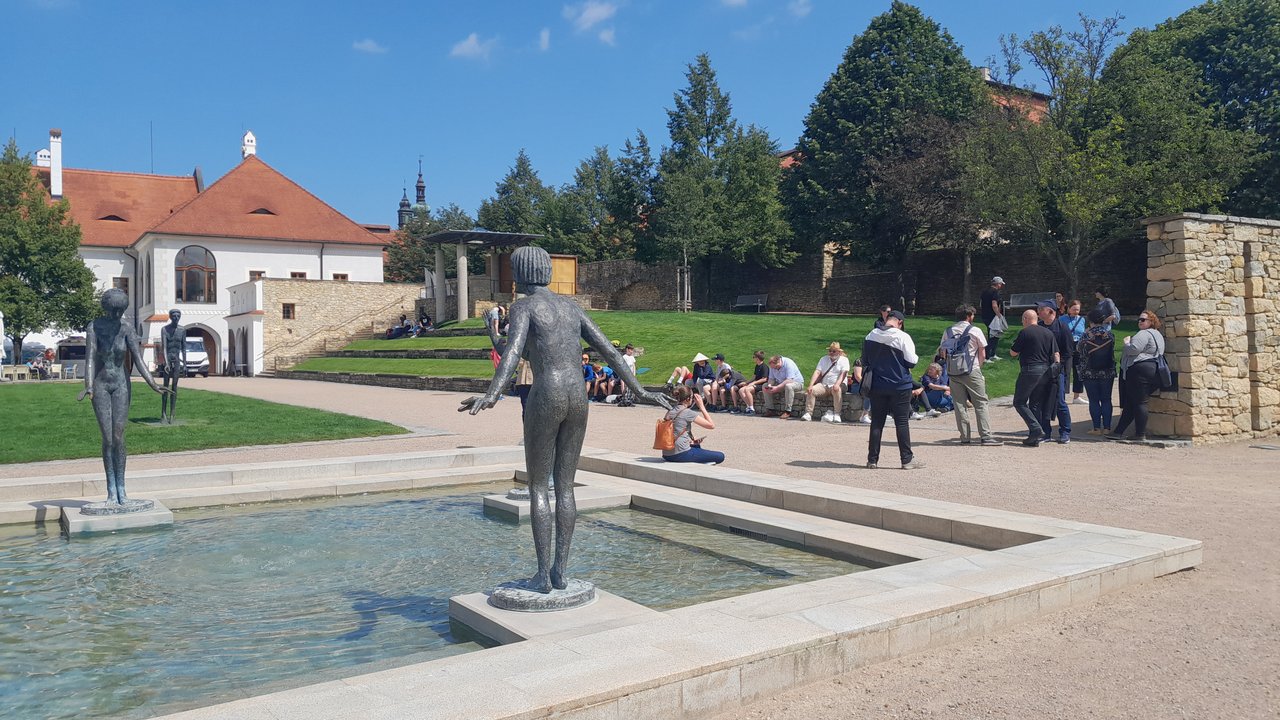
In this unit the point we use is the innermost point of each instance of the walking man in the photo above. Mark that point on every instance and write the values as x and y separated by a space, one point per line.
1057 405
1037 350
964 347
991 306
889 355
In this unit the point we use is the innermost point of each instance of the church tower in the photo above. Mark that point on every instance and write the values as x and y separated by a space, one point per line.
405 212
421 188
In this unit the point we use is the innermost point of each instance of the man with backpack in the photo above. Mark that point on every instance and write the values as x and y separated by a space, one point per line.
964 348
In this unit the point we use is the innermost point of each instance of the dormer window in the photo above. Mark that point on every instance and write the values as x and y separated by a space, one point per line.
262 211
113 218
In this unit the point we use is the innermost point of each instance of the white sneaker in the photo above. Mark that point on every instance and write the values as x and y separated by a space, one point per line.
835 419
806 417
865 419
917 416
934 413
1082 400
993 358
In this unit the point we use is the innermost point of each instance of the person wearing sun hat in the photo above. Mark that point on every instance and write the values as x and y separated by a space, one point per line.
991 306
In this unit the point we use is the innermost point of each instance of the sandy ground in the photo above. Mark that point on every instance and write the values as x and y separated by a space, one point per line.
1199 644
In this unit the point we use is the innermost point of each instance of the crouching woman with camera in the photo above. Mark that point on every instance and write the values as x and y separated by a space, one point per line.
689 411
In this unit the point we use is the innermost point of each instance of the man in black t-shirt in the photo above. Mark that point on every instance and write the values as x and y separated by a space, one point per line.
989 306
1036 349
1047 310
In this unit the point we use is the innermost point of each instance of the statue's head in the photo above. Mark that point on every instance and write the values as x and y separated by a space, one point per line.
175 316
531 266
115 302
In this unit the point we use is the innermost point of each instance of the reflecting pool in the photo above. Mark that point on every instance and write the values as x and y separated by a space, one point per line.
233 602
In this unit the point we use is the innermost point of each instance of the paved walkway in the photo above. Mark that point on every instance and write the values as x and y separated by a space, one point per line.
1200 644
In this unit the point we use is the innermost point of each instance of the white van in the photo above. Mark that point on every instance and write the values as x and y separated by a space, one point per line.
197 358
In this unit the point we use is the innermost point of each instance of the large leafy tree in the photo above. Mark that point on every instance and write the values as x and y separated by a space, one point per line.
1121 139
409 256
716 193
631 195
902 69
579 220
519 201
1232 49
43 281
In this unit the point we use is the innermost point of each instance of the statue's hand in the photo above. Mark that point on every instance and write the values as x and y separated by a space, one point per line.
87 392
658 398
476 404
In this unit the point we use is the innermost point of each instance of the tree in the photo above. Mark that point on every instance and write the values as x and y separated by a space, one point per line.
579 220
43 281
1232 48
409 256
903 68
517 204
1121 139
631 196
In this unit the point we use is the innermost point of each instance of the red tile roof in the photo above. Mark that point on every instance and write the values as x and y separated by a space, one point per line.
256 201
139 201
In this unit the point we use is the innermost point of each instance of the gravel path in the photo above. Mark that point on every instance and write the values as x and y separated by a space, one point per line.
1200 644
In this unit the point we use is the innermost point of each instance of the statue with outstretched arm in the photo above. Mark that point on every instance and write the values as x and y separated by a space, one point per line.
548 330
106 383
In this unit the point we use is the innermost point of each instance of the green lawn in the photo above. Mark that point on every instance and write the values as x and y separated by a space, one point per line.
44 422
670 338
425 343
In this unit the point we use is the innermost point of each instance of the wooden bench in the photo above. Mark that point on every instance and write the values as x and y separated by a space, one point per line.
1022 301
750 301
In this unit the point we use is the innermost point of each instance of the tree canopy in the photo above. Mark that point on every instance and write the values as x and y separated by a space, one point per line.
903 68
43 281
408 255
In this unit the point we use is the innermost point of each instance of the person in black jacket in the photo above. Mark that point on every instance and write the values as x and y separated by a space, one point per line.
1057 405
1036 349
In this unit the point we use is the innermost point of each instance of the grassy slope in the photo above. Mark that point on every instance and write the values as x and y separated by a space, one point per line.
673 338
53 426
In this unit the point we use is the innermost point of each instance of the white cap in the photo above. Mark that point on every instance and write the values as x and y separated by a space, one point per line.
997 280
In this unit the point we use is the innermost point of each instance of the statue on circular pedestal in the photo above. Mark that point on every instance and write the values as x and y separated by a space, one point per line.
548 330
107 343
173 349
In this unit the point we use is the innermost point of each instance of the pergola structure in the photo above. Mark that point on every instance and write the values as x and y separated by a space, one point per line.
461 240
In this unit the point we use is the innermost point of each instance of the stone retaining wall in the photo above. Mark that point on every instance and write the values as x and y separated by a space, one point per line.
327 312
1214 281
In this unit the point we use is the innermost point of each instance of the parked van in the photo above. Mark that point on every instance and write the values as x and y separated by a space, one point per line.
197 358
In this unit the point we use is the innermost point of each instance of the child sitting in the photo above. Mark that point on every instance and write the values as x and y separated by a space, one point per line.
936 390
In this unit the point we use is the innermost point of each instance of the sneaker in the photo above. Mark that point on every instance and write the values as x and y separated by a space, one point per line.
917 416
872 466
1064 439
835 420
1032 441
914 465
1094 431
993 358
991 442
966 441
1082 400
865 419
749 411
1140 438
1114 436
933 413
785 416
806 417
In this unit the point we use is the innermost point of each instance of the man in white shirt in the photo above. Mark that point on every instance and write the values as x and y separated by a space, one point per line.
784 380
828 381
964 366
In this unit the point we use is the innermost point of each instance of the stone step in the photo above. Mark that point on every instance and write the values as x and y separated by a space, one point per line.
438 354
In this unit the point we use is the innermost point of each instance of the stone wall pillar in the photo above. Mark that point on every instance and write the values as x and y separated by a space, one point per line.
464 301
1213 280
439 289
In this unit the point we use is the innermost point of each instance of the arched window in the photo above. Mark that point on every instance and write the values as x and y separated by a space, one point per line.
195 275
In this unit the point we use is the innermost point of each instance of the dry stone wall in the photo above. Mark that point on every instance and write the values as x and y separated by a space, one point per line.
1214 281
327 312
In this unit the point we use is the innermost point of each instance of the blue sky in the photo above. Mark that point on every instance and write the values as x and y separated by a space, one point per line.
344 96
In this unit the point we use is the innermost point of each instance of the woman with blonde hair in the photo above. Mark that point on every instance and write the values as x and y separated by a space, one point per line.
1138 375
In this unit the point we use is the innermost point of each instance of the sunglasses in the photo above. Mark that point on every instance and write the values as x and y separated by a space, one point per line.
1143 319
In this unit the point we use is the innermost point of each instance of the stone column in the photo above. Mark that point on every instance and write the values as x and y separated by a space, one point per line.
1212 280
440 291
464 303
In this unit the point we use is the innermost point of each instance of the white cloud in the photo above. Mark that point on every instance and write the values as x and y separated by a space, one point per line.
734 3
473 48
544 39
800 8
589 14
368 45
607 36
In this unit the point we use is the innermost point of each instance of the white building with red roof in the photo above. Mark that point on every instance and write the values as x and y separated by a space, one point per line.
172 243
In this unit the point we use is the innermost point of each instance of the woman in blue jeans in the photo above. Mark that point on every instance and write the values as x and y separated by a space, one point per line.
1097 370
685 417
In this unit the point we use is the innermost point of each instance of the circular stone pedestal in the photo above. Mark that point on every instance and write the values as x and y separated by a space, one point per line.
518 597
106 507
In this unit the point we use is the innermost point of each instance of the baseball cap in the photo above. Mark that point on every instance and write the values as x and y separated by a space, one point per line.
1048 304
718 356
997 280
897 314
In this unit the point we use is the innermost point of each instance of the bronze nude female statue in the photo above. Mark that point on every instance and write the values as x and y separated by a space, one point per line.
106 383
548 329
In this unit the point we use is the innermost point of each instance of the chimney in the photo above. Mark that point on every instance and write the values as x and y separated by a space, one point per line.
986 73
248 145
55 163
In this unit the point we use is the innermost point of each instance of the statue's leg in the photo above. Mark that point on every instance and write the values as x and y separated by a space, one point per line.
539 455
102 410
568 450
173 397
119 418
164 398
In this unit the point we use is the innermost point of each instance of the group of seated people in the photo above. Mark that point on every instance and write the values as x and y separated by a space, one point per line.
411 328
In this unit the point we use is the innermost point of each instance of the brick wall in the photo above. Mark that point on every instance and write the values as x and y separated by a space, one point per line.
628 285
327 312
1214 281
